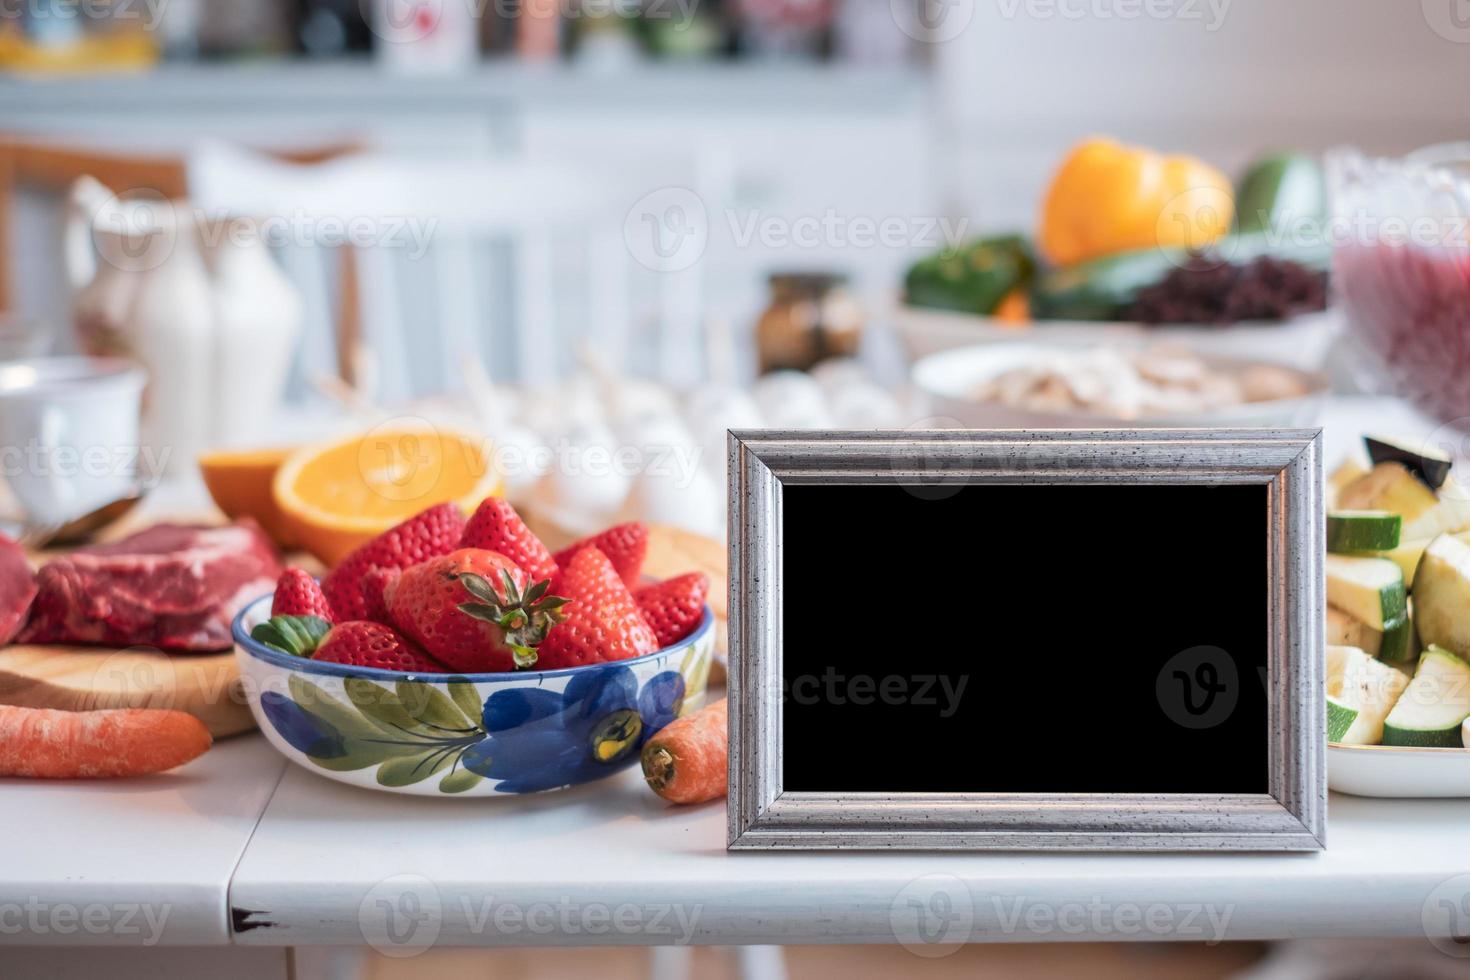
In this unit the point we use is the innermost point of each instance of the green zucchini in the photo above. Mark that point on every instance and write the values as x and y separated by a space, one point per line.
1442 594
1361 692
1281 193
1434 706
1362 530
1371 590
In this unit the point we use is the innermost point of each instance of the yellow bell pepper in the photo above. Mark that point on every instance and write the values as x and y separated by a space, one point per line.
1109 198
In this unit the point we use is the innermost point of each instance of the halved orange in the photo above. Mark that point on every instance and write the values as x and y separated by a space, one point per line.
341 494
240 483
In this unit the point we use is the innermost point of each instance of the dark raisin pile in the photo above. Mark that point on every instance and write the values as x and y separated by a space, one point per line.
1205 290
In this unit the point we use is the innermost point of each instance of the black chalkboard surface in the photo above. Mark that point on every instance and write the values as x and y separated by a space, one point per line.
1025 639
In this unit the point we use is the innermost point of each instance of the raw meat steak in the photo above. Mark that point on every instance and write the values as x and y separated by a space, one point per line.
172 586
17 588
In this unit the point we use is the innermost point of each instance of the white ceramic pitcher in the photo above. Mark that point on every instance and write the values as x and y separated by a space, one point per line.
200 304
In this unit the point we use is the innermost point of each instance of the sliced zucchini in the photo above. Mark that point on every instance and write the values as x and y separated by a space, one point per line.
1371 590
1428 464
1391 487
1433 708
1442 594
1361 692
1400 642
1344 630
1454 506
1362 530
1347 471
1340 718
1406 556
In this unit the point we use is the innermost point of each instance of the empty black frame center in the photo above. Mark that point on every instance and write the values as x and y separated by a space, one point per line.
1054 638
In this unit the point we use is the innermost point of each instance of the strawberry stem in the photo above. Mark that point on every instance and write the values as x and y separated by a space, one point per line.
524 619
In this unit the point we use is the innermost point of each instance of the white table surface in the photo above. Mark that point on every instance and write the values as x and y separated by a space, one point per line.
303 860
131 862
610 864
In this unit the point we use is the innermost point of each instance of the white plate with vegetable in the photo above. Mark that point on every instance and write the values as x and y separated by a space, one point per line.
1393 771
1398 627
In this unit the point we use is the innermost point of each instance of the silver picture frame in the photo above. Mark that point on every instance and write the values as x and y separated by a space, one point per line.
1290 817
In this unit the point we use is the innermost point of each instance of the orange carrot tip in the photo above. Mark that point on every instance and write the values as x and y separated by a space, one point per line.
47 744
687 761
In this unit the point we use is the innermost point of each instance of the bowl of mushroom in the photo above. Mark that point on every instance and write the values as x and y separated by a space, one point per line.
1025 385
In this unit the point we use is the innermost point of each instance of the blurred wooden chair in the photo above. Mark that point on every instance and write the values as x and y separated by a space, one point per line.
524 261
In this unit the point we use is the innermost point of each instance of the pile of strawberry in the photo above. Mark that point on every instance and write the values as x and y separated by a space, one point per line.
438 594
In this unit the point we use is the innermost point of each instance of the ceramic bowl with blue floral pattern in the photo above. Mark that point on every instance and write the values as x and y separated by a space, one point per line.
467 734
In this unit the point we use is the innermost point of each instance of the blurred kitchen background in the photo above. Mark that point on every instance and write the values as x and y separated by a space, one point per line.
542 124
603 220
553 214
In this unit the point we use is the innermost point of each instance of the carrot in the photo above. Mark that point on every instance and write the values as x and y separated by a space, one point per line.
48 744
687 761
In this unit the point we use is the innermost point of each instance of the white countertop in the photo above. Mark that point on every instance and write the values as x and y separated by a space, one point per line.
302 860
609 864
131 862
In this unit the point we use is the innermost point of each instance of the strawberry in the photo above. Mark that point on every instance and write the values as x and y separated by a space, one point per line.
426 535
496 526
472 609
297 594
364 644
674 606
624 545
602 620
375 594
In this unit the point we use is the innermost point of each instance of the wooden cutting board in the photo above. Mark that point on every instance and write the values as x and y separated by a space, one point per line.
84 678
77 678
